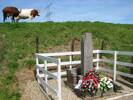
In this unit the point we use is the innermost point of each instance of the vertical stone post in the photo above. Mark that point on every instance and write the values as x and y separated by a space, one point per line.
86 53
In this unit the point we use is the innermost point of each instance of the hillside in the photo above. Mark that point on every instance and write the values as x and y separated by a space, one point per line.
17 45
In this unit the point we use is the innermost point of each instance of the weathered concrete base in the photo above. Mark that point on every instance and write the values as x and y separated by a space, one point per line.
71 77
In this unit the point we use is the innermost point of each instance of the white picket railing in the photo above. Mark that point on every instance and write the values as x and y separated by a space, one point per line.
54 59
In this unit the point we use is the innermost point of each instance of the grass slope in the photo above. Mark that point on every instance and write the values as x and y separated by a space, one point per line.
17 44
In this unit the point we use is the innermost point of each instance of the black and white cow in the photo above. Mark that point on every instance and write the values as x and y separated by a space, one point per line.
27 13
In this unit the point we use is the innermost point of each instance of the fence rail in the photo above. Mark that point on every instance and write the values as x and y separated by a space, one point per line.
54 59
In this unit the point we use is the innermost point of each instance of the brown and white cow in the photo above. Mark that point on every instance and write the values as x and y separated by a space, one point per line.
27 13
10 12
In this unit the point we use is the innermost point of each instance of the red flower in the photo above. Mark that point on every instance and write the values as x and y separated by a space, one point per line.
90 82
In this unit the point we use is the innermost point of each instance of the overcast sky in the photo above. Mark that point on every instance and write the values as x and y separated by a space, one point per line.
115 11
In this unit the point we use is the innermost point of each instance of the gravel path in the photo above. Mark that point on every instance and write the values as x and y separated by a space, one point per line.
67 93
33 92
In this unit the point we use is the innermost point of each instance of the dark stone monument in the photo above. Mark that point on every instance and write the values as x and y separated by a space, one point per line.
75 74
86 53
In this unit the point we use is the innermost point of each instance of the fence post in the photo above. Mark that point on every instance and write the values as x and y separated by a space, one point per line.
97 64
45 75
102 47
131 69
59 79
72 46
37 43
115 62
70 59
37 70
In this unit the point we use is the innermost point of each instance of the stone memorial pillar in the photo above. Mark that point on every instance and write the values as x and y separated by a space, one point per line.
86 53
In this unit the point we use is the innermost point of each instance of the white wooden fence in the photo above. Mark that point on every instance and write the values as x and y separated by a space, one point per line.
54 59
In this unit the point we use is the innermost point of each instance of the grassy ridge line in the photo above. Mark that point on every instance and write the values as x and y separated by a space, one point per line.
18 41
51 33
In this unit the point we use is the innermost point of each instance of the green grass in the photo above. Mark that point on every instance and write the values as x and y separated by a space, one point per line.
17 44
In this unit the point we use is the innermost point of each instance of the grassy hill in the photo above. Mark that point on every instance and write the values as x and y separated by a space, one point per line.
17 44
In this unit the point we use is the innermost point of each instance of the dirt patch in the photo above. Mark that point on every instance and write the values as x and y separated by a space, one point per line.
32 92
23 76
28 85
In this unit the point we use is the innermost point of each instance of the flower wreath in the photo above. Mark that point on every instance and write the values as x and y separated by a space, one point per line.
91 82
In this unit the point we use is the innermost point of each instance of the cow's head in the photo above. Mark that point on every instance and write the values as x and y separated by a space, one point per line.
34 13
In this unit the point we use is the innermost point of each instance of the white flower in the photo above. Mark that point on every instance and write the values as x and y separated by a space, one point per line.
110 85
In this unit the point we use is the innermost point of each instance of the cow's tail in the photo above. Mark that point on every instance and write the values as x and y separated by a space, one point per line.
4 16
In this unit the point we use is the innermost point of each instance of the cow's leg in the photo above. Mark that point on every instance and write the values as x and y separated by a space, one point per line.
13 20
30 17
4 16
17 19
